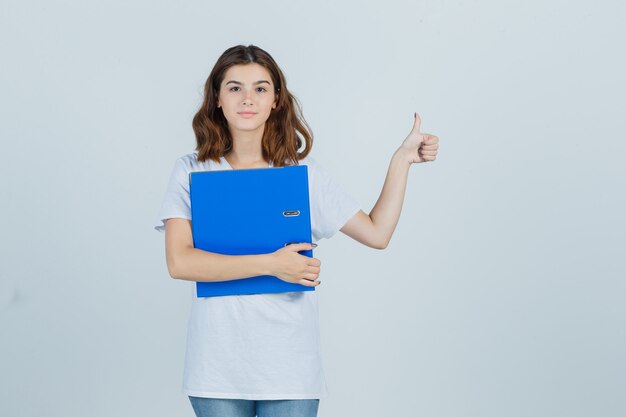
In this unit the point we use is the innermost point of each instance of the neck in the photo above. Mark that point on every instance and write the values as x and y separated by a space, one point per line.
246 148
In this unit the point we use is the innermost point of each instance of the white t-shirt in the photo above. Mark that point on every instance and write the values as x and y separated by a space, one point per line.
257 346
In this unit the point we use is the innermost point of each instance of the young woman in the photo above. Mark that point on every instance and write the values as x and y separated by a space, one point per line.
260 354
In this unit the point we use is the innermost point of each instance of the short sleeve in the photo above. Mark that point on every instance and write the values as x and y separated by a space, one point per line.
176 202
331 205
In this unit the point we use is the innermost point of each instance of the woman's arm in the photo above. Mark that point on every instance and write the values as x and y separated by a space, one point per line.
375 230
188 263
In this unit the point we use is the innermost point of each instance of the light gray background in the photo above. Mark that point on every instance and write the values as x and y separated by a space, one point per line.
502 292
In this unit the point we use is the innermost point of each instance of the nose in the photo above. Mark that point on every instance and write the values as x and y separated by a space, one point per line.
247 99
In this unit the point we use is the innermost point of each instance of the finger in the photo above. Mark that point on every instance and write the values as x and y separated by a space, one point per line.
313 262
417 123
309 276
297 247
309 282
426 153
313 269
430 139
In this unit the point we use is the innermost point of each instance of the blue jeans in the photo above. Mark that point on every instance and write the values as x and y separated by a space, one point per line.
223 407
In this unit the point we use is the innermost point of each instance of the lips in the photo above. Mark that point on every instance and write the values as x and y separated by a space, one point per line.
246 114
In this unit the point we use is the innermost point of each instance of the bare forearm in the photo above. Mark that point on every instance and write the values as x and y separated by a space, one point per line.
198 265
386 211
418 147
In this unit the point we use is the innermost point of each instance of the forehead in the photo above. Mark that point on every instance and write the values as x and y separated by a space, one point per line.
248 73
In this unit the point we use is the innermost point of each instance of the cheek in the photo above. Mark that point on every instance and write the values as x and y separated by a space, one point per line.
227 107
268 104
225 100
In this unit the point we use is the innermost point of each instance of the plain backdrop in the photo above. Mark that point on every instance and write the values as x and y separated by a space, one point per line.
502 292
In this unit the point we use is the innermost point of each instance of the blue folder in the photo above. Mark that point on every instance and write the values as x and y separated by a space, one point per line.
250 212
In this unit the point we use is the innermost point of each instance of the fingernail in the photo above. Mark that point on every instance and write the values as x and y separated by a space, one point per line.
415 115
314 245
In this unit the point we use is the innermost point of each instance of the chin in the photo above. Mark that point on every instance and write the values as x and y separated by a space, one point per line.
247 128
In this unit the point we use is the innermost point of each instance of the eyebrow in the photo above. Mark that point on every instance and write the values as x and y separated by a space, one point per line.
256 83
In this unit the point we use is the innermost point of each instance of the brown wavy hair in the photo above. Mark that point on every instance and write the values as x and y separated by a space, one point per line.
280 143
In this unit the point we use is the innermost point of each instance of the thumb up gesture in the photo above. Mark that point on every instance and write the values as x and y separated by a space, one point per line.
418 146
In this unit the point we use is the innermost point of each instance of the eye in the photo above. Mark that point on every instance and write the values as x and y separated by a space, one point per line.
231 89
262 88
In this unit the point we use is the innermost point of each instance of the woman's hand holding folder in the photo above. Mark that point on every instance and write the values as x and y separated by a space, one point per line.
188 263
288 265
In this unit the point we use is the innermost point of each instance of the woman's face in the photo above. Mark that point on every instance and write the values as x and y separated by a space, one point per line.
246 97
